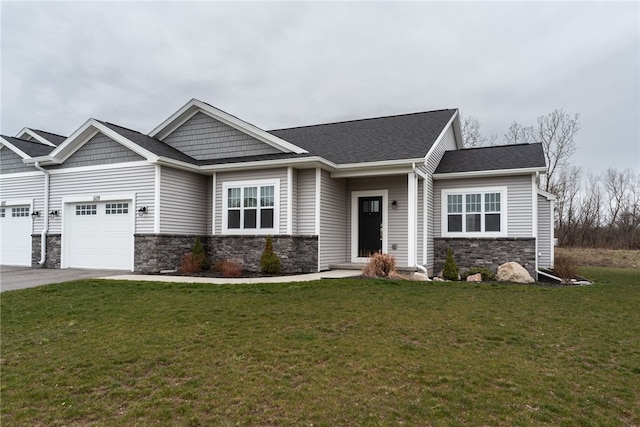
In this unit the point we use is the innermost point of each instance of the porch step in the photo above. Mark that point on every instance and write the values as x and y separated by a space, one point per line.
360 266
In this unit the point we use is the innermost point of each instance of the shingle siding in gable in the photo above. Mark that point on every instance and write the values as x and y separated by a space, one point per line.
100 150
204 138
10 162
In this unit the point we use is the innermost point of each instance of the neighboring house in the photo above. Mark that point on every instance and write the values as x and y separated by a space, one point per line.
329 194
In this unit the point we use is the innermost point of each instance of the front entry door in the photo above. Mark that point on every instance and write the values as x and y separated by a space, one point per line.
369 225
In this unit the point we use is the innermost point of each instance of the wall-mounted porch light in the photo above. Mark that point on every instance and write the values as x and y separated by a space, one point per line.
35 214
142 210
54 214
394 205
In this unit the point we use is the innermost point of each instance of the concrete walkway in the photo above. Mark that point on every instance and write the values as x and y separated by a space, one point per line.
331 274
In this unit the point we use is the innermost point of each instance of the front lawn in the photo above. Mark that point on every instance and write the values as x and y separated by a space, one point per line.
327 353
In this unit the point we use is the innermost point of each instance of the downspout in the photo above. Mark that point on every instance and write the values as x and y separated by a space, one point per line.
418 266
45 229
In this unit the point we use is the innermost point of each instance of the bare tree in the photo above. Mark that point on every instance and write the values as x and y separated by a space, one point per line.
518 134
556 132
471 135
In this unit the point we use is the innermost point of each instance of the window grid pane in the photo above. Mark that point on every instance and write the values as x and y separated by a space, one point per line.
474 202
2 213
86 209
234 197
454 203
492 202
19 212
116 208
267 197
250 197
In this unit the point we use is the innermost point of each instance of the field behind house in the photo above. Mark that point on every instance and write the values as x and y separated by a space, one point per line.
333 352
596 257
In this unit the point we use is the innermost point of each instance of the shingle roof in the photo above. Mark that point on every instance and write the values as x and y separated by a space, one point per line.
51 137
153 145
30 148
407 136
493 158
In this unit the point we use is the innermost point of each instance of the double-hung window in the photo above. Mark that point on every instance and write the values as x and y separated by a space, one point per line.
251 207
474 212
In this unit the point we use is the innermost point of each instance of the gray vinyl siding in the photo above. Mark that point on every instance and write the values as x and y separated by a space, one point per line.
294 204
545 232
519 201
224 177
209 204
447 143
100 150
203 137
420 225
10 162
183 202
28 187
138 180
397 233
333 221
306 201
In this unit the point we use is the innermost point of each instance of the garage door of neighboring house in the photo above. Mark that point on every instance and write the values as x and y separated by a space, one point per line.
99 235
15 235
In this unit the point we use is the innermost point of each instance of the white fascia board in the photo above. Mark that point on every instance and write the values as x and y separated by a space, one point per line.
13 148
83 134
194 105
546 195
385 167
439 138
35 136
309 162
481 174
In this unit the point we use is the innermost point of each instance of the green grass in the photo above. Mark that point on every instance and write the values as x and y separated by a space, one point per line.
335 352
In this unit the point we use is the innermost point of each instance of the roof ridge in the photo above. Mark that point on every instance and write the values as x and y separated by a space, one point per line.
364 119
499 146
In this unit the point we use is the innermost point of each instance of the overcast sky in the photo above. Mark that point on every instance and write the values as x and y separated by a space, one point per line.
287 64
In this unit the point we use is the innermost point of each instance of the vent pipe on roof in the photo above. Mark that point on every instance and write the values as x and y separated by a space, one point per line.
45 229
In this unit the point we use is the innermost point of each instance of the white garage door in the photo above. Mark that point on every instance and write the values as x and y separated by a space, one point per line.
99 235
15 234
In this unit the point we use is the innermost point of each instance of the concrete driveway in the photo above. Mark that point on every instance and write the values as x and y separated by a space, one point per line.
12 278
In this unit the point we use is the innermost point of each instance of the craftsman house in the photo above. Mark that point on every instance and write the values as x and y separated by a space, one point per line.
329 194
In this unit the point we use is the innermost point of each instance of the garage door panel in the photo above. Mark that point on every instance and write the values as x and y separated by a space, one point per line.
15 235
100 235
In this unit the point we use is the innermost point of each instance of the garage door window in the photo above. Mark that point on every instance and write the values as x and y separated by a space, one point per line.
117 208
2 213
86 209
18 212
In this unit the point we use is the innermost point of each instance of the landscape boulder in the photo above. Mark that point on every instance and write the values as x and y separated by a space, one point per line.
514 273
421 277
474 277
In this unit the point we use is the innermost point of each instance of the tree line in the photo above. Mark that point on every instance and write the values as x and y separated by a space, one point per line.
597 211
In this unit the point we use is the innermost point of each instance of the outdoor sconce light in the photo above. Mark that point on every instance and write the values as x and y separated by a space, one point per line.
394 205
142 210
35 214
53 214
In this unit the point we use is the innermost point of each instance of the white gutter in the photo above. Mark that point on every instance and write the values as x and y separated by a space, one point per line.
45 229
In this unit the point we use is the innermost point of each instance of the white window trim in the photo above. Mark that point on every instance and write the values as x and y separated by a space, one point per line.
464 191
251 183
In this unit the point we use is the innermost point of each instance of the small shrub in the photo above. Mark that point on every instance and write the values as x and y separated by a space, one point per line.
269 263
231 268
565 268
450 270
487 275
190 263
380 265
198 252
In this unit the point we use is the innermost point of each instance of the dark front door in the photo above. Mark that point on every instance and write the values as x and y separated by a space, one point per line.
369 225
